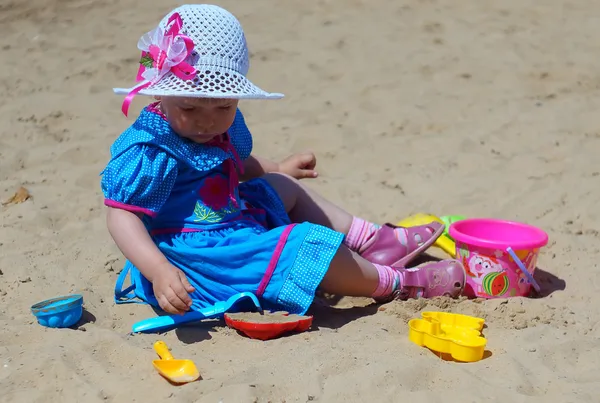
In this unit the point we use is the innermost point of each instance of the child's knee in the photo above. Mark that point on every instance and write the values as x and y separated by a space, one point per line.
287 187
281 181
279 176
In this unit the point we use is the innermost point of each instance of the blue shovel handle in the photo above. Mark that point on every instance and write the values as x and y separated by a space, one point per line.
165 322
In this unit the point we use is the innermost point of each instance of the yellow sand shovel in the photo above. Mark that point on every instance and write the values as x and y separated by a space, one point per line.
176 371
444 242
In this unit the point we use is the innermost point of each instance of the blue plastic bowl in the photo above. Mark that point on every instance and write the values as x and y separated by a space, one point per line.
59 312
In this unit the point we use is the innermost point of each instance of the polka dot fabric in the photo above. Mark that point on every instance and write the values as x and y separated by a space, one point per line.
143 167
307 272
151 129
240 136
150 168
261 195
222 262
142 176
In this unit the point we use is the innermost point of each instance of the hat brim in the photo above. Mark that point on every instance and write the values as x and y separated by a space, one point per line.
208 83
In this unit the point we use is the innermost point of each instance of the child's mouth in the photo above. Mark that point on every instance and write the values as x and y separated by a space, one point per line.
203 136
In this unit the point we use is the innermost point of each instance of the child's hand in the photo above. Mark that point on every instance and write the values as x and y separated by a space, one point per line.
299 166
171 289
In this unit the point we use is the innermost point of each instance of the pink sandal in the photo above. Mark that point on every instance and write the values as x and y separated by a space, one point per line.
436 279
386 249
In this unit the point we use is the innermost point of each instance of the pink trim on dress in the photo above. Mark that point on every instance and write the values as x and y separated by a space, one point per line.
155 108
274 260
231 166
129 207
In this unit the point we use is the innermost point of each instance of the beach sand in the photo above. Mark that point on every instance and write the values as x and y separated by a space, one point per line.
441 106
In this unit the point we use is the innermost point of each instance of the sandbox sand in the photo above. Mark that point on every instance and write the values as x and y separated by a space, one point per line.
442 106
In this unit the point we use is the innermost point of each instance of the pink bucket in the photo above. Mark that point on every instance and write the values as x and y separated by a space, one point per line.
481 245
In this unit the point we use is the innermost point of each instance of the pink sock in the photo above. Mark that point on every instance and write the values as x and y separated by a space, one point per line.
389 281
361 232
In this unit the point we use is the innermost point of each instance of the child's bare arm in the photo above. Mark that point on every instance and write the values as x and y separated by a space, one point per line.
170 285
132 238
255 167
299 166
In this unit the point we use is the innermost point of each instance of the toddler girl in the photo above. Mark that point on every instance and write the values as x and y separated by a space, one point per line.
194 235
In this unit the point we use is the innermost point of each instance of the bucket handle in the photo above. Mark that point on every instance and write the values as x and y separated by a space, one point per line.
532 281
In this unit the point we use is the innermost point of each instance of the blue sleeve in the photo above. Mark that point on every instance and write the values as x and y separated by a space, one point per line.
241 138
139 180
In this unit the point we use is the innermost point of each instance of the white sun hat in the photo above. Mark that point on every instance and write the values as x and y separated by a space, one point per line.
196 51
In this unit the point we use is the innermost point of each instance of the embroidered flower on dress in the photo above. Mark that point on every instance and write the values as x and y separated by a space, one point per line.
215 192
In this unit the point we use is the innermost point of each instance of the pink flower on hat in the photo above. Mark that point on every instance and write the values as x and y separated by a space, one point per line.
217 58
163 52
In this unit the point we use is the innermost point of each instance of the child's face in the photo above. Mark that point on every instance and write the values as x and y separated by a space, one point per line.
199 119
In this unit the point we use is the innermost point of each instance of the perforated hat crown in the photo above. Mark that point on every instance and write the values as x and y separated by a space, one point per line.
217 57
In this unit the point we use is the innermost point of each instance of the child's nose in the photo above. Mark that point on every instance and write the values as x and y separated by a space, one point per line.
205 125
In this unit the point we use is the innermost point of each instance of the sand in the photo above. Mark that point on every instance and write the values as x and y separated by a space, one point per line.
441 106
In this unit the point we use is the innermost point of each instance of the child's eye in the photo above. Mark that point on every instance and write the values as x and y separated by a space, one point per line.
225 107
187 108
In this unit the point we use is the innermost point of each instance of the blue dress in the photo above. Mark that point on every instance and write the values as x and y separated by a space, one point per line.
225 236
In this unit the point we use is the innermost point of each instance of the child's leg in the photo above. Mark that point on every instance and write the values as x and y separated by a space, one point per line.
303 204
387 245
351 275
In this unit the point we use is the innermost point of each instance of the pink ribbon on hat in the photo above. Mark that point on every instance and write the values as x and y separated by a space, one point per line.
162 52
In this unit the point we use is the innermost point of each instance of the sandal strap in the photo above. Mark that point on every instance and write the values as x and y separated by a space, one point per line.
446 277
415 278
423 231
386 248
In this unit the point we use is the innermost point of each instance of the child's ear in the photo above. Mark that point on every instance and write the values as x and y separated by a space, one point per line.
157 97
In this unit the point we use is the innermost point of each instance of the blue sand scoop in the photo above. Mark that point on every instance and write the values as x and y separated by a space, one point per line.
235 303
